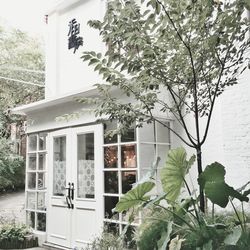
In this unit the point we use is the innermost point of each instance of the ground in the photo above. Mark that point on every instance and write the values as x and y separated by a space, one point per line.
12 206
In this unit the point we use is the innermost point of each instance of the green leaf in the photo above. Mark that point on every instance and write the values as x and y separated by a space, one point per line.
212 180
134 197
173 174
165 237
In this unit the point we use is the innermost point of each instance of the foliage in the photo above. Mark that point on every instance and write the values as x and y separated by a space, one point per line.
180 223
173 175
12 231
189 51
21 58
12 170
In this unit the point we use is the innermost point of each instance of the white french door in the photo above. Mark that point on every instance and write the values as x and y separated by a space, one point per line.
75 208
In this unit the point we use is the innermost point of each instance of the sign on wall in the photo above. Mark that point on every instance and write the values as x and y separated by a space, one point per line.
74 40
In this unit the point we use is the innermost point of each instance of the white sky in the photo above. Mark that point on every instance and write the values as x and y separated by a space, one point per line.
26 15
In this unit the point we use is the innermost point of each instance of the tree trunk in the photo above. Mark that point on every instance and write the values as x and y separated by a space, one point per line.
199 164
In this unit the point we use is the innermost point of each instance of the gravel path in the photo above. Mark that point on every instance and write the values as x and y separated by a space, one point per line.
12 206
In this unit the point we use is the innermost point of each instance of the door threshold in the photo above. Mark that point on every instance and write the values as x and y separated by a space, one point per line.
51 246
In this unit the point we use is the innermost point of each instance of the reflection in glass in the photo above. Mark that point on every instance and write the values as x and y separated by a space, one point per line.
31 200
32 143
162 152
42 161
110 136
59 173
41 222
41 205
110 203
128 157
147 156
129 237
86 166
110 157
112 228
31 180
130 135
128 179
41 181
163 133
42 141
147 133
31 219
111 182
32 162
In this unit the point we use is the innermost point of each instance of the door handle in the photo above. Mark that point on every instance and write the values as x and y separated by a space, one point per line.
72 191
68 200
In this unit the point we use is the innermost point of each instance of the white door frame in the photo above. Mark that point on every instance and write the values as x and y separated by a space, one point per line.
85 220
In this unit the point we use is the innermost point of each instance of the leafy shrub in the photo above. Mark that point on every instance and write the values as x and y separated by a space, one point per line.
13 231
12 170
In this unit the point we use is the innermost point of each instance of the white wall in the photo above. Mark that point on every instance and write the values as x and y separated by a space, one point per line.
65 70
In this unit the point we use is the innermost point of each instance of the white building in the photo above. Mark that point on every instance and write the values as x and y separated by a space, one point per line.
74 175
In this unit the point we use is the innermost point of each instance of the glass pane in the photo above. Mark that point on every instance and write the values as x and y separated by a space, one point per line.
128 179
32 162
109 203
41 205
130 135
31 200
32 143
31 219
163 133
162 153
42 141
128 156
41 181
42 162
110 157
59 173
129 237
41 222
112 228
111 182
109 136
147 156
147 133
31 180
86 166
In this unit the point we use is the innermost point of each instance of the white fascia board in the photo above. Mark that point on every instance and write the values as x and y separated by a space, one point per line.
62 5
46 103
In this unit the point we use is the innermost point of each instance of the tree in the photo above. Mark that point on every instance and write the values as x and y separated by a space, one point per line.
21 68
190 49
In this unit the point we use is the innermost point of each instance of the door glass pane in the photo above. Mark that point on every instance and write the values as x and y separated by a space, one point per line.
42 141
31 200
41 201
128 156
32 162
41 181
59 173
31 219
85 166
42 161
32 143
31 180
163 132
130 135
110 157
41 222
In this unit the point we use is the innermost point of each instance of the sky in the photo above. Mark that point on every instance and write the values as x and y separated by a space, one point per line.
26 15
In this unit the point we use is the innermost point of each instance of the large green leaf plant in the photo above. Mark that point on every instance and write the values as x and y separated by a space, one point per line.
173 219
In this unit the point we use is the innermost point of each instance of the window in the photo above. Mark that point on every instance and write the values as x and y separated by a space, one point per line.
36 181
120 173
128 158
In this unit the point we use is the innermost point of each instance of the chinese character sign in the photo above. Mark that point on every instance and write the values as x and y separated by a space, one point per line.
74 41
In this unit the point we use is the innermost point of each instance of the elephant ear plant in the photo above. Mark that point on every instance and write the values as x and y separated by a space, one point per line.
173 219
